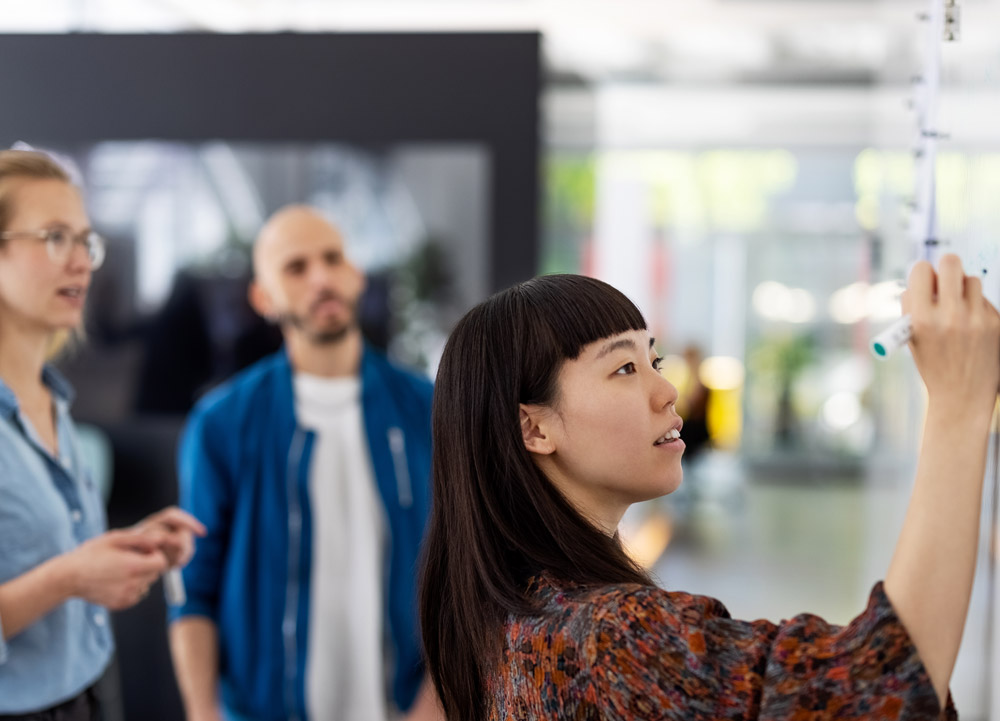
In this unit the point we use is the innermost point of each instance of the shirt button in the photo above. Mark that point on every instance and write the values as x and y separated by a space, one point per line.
99 619
76 516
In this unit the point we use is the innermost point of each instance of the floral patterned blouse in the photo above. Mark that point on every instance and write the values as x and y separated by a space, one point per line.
635 652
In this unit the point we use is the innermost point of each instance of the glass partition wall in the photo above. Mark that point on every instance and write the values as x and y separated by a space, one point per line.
768 226
168 316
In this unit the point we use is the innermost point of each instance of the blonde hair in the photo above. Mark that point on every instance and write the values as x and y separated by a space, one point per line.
30 165
24 165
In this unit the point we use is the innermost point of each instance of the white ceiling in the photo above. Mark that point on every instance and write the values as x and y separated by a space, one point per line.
593 37
621 69
782 41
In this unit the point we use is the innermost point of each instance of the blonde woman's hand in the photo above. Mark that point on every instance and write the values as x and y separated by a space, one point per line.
173 531
115 569
956 337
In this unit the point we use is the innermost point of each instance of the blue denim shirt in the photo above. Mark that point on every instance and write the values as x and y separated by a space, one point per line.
48 506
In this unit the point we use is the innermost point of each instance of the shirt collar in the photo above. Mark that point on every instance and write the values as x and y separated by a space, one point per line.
53 379
58 384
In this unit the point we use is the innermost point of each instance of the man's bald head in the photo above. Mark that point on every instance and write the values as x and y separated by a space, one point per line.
282 228
302 277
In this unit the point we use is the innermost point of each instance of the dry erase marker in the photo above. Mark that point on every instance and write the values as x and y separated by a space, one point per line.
892 338
173 587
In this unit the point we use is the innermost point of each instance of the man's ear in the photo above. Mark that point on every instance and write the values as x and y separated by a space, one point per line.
260 301
534 430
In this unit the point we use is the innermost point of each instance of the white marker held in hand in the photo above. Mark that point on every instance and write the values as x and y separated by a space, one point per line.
892 338
173 587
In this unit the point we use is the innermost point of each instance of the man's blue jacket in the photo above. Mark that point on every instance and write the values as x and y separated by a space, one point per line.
244 472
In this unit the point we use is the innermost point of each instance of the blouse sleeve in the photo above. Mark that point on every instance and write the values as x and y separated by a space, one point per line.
674 655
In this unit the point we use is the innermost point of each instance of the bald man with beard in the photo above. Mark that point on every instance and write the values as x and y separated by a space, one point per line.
310 470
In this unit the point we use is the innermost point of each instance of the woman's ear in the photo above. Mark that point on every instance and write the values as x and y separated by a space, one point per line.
534 430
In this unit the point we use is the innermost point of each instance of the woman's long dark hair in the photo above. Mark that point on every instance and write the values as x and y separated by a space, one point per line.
496 519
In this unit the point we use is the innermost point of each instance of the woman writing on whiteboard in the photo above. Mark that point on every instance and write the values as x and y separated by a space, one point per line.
551 418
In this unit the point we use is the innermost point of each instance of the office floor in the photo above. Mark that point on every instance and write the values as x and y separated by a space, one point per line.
772 548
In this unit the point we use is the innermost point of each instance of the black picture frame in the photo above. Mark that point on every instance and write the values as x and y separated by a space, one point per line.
365 88
370 89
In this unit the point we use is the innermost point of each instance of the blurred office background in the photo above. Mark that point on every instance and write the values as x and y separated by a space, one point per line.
743 169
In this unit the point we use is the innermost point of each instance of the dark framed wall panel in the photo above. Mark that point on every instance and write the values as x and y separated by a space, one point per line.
368 88
365 89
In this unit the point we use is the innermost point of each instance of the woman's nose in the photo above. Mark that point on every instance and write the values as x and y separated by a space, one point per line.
665 393
79 257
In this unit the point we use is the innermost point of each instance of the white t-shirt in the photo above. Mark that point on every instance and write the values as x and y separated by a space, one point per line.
345 664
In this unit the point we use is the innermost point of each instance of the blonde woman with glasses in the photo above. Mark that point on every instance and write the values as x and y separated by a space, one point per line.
60 570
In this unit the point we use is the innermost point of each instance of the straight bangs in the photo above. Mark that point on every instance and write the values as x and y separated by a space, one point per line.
559 315
579 310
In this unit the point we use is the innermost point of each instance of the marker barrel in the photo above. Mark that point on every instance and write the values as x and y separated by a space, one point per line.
173 587
892 338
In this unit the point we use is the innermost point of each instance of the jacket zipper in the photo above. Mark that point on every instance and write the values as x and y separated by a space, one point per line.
289 623
397 446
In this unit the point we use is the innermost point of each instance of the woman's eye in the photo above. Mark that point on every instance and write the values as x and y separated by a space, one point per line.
59 236
626 370
657 363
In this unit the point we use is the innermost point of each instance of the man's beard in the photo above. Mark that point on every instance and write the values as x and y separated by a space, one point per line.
322 337
325 337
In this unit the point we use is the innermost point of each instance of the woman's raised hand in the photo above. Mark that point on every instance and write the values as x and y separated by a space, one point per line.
956 337
956 346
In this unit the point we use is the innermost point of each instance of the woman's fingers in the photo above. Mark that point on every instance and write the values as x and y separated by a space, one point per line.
135 540
174 531
974 293
150 566
175 518
919 295
948 287
956 336
950 281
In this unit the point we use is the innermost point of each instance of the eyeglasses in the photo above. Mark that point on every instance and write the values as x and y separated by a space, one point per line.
59 243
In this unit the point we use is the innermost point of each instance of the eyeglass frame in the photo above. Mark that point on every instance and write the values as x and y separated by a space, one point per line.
92 241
